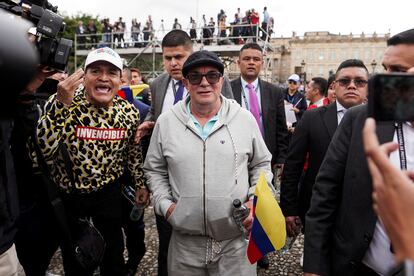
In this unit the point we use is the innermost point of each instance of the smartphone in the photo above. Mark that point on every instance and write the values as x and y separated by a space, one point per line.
391 97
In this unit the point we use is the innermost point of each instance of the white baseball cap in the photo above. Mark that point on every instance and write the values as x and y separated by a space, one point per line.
104 54
294 77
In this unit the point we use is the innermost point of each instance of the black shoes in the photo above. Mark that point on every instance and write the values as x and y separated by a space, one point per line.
131 268
130 271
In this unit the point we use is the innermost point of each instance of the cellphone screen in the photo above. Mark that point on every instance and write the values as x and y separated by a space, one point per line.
391 97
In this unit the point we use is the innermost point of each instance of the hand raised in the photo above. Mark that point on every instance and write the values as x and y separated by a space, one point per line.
66 88
143 130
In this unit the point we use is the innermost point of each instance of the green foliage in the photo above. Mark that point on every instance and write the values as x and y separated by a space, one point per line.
72 22
144 63
70 30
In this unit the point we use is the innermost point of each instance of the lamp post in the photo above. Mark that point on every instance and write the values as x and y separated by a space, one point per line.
373 64
303 71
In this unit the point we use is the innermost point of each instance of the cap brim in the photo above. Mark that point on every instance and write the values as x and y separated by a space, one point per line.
201 62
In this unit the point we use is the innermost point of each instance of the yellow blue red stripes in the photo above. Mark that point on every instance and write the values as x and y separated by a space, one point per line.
269 228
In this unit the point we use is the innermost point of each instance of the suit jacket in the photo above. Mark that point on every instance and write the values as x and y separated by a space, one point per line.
159 88
80 30
273 117
341 221
312 135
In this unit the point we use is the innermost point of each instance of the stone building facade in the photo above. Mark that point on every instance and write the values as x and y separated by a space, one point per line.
317 54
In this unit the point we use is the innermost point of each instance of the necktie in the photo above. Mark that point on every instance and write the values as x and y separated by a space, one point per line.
254 105
341 114
179 93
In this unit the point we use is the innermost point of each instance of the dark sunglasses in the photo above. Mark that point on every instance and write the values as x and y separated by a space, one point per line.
358 82
292 82
211 77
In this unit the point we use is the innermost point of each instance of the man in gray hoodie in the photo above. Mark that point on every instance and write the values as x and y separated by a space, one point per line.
204 153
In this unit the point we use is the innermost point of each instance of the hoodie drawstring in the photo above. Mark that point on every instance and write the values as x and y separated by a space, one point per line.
236 154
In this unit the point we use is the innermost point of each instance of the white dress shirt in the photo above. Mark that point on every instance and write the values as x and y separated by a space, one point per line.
170 95
340 111
319 102
379 257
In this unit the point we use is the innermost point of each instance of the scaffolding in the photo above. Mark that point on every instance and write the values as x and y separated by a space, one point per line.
210 38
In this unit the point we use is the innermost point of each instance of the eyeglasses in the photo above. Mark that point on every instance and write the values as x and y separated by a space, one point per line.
358 82
211 77
292 82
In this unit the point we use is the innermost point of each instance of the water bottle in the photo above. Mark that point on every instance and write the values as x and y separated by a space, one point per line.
240 213
129 193
137 209
291 240
288 244
136 212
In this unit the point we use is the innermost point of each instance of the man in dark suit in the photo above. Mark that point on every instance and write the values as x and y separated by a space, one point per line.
250 91
343 235
166 90
310 142
272 121
81 39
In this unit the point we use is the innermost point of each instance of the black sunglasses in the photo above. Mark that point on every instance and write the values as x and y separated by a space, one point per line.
358 82
211 77
292 82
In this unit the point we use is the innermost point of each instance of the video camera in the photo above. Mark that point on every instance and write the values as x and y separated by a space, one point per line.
53 50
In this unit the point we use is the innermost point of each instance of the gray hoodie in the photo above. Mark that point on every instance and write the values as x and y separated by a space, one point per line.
203 177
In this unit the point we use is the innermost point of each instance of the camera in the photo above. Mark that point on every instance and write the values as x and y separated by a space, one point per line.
54 51
18 60
391 97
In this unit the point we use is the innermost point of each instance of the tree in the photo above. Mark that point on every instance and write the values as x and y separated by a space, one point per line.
144 63
69 33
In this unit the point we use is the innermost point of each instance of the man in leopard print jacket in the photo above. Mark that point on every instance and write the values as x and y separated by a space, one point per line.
97 128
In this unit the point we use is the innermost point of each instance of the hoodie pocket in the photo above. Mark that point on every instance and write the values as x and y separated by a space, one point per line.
187 216
220 222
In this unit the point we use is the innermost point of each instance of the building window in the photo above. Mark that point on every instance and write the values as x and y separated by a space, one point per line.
356 53
321 55
368 54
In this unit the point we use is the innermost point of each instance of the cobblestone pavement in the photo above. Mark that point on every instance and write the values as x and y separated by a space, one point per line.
280 264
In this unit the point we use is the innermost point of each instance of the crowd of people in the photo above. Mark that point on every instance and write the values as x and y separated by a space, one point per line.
244 26
203 142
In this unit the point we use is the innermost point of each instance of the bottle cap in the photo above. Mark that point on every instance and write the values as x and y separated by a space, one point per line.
236 203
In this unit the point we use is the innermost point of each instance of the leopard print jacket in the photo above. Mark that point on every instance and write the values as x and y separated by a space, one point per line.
100 142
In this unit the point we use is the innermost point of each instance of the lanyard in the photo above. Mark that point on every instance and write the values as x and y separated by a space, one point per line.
401 146
290 98
245 100
403 156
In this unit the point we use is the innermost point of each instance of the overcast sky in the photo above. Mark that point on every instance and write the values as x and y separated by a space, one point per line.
345 16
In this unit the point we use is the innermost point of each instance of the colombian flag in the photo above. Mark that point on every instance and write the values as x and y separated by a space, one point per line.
269 227
129 93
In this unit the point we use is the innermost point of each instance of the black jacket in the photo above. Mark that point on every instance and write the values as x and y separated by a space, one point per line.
299 101
20 187
312 136
341 221
9 205
29 184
